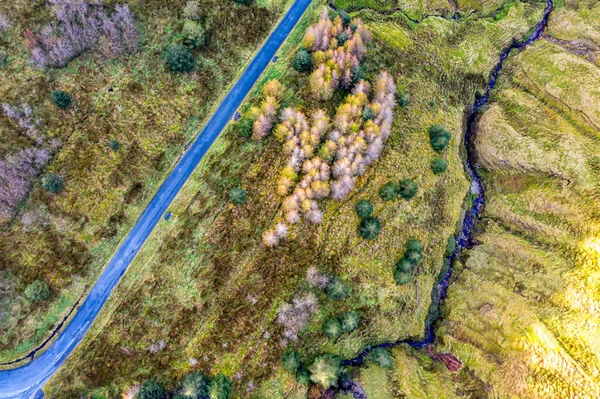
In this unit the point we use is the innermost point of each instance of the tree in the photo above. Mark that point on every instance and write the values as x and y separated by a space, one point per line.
408 189
303 376
302 60
369 228
194 34
37 291
345 17
363 208
61 99
401 277
220 387
404 265
342 38
246 2
350 321
439 166
413 245
389 191
151 389
52 183
367 114
237 196
291 361
114 145
403 99
332 328
195 385
179 58
382 357
439 137
336 289
192 10
325 370
244 127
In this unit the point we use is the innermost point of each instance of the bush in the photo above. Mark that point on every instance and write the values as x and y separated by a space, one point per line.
52 183
389 191
61 99
408 189
403 99
325 370
291 361
237 196
369 228
350 321
363 209
402 278
413 245
439 166
332 328
303 376
244 127
179 58
302 60
336 289
151 389
404 265
243 1
37 291
195 385
439 137
220 387
451 245
194 34
114 145
192 10
382 357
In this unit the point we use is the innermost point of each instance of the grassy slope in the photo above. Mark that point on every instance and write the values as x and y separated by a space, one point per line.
194 283
522 311
134 100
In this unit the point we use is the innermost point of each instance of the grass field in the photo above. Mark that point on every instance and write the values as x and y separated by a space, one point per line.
522 309
66 239
207 288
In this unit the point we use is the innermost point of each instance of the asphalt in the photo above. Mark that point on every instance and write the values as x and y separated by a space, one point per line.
27 381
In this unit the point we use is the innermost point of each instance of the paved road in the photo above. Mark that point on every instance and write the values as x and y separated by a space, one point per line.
27 381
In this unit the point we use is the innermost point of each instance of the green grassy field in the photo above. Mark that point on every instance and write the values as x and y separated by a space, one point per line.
66 239
205 285
522 308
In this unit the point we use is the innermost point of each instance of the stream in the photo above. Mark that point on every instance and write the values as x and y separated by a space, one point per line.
464 238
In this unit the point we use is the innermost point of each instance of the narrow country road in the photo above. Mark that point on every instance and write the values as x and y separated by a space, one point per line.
27 381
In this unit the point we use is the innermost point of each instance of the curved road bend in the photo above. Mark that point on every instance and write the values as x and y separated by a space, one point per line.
27 381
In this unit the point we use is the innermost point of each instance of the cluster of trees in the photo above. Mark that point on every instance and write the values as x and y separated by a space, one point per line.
413 255
80 27
295 315
195 385
337 46
264 117
406 189
439 137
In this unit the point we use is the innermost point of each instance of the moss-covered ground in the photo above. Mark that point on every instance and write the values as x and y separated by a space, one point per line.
205 285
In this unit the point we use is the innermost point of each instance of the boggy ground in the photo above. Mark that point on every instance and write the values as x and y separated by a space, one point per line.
522 312
66 239
204 292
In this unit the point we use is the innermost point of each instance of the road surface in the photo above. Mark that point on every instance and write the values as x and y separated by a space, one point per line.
27 381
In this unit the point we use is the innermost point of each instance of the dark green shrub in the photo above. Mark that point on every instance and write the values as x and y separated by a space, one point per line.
403 99
195 385
336 289
303 376
350 321
52 183
342 38
439 137
194 34
451 245
408 189
61 99
37 291
367 114
325 370
358 74
345 17
151 389
369 228
363 208
389 191
302 60
243 1
332 328
114 145
382 357
439 166
413 257
402 278
291 361
244 127
404 265
413 245
179 58
237 196
220 387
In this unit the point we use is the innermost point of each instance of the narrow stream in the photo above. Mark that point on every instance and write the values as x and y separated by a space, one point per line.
464 238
